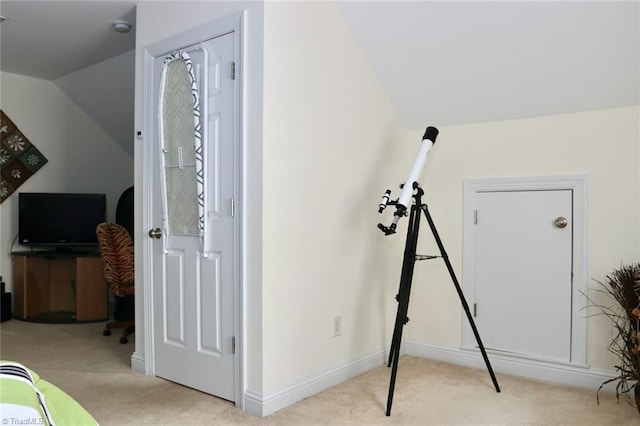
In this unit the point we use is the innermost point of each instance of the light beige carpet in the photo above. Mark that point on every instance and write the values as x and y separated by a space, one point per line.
95 370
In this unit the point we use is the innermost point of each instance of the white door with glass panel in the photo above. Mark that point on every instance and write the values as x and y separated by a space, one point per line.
194 226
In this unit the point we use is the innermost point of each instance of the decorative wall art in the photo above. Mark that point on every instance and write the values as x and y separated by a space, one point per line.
19 159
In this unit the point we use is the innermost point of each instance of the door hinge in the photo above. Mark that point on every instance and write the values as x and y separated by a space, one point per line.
233 207
233 70
233 345
475 217
475 310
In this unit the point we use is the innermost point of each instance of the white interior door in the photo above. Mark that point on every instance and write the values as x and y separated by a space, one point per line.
523 272
194 257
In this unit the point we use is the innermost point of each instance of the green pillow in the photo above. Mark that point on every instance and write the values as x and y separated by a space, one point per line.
27 399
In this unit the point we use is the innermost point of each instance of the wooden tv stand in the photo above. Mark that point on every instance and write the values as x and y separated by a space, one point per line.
59 287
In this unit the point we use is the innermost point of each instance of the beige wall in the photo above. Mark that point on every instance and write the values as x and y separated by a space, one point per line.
81 156
604 145
330 134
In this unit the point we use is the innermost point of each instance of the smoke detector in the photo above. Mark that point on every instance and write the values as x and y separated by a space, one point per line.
121 26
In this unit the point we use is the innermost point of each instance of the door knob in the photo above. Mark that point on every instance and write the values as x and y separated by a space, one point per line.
561 222
155 233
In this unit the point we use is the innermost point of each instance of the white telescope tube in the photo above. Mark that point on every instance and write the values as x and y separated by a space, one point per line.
428 140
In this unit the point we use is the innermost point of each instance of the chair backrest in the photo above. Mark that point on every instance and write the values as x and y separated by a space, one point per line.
125 210
116 249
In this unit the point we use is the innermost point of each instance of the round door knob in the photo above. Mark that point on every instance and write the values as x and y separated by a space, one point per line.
155 233
561 222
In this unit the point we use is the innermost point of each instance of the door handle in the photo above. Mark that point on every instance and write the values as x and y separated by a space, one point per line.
155 233
561 222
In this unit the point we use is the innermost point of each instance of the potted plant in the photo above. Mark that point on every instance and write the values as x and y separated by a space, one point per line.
623 286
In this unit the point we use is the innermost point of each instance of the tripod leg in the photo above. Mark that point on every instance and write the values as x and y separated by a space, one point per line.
401 314
394 372
401 320
405 281
465 305
397 332
401 317
403 298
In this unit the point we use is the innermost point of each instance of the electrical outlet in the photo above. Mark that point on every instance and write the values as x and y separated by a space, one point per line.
337 325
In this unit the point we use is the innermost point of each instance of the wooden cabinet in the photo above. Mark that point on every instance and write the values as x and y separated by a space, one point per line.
55 287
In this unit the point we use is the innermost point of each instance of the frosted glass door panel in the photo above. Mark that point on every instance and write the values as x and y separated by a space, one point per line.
179 150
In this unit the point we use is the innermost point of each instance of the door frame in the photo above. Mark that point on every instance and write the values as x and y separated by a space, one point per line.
578 184
233 23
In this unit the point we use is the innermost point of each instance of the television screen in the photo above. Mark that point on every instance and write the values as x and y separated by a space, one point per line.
59 220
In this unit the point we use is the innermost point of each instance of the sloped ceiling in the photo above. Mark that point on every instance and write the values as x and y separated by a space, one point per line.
442 63
446 63
73 44
48 39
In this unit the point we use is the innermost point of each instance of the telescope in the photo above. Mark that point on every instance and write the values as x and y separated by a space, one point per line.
414 209
410 184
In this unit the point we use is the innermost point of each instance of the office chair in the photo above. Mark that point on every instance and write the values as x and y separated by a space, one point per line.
116 250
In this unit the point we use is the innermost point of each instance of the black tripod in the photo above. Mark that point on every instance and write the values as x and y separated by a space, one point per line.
404 292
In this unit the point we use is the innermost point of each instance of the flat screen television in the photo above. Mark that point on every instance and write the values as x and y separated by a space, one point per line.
61 221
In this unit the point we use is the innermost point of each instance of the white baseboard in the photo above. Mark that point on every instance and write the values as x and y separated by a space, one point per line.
137 363
262 405
566 374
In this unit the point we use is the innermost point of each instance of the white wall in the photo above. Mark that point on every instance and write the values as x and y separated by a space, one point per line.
604 145
81 156
105 92
330 137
